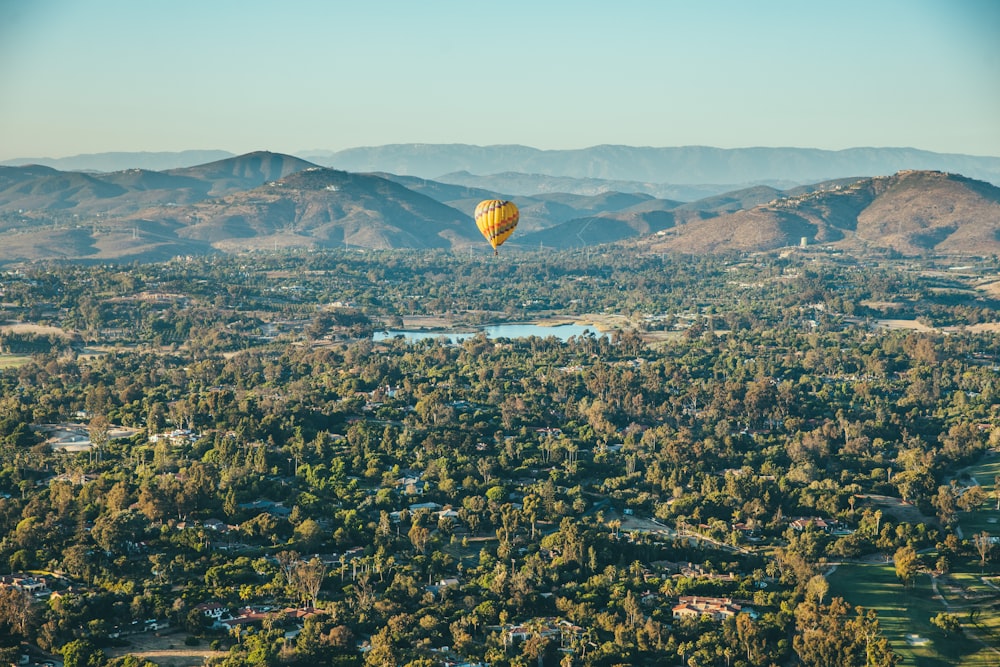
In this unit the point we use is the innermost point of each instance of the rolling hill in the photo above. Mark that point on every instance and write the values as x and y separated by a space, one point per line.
267 200
911 212
320 207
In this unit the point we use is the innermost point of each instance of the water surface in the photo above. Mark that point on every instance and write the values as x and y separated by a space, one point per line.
563 332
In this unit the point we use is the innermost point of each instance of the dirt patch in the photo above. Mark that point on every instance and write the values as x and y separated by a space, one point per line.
899 510
428 322
992 288
166 650
903 324
634 523
603 322
986 327
40 329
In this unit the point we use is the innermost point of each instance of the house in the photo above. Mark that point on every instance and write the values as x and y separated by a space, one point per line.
26 583
243 617
178 436
695 606
77 479
449 582
411 485
299 614
803 522
212 610
543 626
447 512
433 507
216 525
275 509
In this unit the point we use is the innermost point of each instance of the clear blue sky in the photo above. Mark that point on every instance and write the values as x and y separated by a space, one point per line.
84 76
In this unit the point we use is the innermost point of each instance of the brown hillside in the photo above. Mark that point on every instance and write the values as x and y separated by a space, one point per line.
323 208
919 212
913 212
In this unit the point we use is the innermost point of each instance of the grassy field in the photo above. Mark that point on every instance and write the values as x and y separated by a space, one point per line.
166 650
905 616
13 360
986 517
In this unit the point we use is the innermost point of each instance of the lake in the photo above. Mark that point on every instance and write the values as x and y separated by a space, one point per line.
562 332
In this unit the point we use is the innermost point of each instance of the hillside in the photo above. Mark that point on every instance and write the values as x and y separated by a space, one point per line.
538 212
911 212
244 171
529 185
37 188
323 208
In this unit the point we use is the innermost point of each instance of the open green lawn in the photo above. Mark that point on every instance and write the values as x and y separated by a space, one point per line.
986 470
986 517
905 617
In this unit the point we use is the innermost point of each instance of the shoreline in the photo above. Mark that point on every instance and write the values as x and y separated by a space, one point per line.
604 324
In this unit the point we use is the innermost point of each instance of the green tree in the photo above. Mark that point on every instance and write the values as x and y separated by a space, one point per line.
308 534
82 653
906 563
828 636
949 623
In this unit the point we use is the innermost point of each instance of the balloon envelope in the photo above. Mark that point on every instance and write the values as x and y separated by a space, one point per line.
496 220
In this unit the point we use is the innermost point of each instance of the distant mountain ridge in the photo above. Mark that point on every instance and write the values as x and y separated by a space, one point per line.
686 165
515 168
118 161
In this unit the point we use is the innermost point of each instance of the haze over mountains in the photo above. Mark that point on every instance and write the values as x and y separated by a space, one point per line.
629 166
266 200
685 165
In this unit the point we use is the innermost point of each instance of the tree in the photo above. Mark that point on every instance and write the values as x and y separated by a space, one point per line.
818 587
309 534
983 544
536 647
973 497
827 636
82 653
748 633
944 502
308 577
633 610
906 564
99 431
949 623
287 561
383 650
114 532
419 537
17 611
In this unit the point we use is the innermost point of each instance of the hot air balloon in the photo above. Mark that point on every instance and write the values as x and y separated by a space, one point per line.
496 219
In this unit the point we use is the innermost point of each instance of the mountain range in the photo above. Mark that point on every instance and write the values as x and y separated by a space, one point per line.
682 172
268 200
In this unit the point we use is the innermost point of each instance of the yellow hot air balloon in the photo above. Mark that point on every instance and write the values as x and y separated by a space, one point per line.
496 219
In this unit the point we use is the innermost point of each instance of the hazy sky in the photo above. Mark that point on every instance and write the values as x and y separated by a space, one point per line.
83 76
